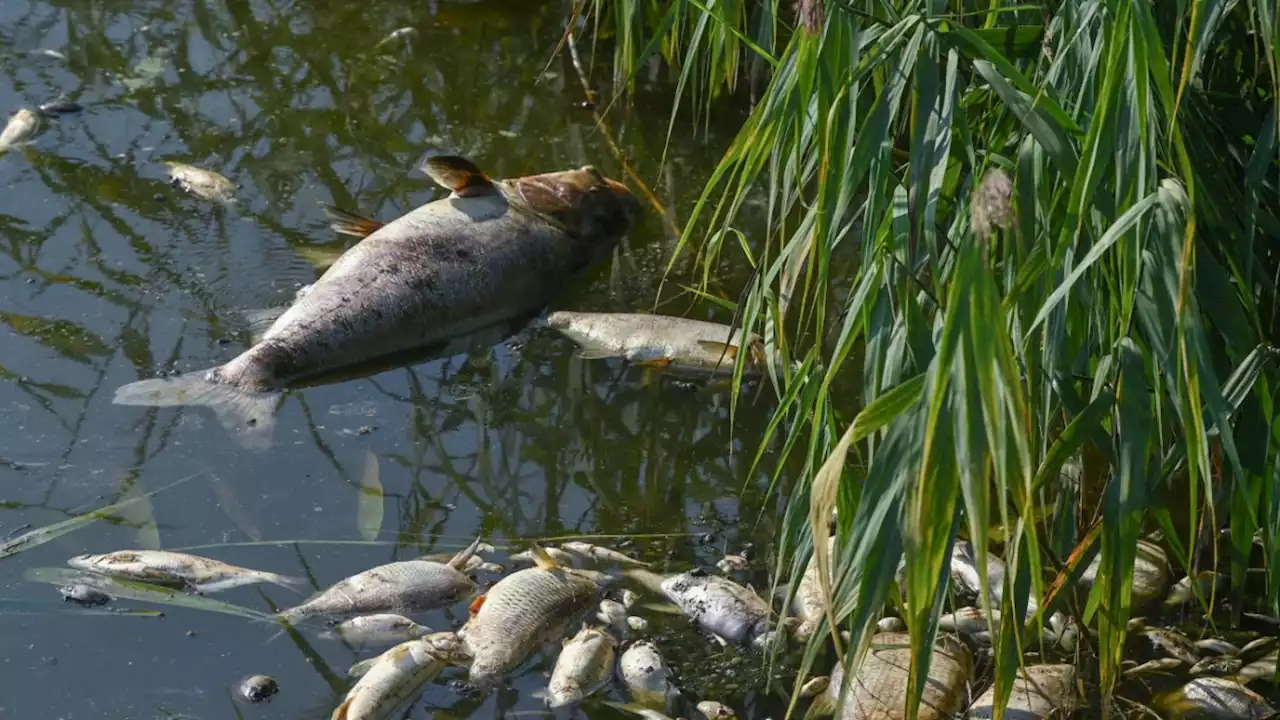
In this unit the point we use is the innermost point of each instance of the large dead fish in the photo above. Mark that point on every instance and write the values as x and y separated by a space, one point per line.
201 574
492 251
394 676
878 690
1039 691
660 341
408 586
1213 698
729 611
522 611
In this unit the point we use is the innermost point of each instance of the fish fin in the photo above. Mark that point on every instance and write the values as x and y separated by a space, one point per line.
341 712
361 668
250 417
260 321
457 562
458 174
588 352
290 582
657 363
351 223
476 604
543 559
664 608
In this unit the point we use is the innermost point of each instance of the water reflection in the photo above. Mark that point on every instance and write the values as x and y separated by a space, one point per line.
108 274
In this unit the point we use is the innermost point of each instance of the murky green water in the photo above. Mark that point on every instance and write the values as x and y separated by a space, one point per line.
107 274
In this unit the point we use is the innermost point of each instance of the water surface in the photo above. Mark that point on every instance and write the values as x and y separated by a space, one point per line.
108 275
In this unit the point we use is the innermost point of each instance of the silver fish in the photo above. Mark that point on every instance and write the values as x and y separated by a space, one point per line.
1039 691
491 252
1217 646
1218 699
22 126
659 341
598 554
562 558
879 688
373 630
201 574
728 610
408 587
1264 668
584 666
1206 583
204 184
1217 666
713 710
1258 647
1156 666
82 594
644 673
808 604
396 675
520 612
614 615
969 621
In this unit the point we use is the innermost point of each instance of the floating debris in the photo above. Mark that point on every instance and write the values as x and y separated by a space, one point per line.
257 688
85 595
204 184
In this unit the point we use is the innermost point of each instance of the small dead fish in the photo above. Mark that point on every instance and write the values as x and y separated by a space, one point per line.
1216 698
22 126
380 629
1258 647
969 621
1039 691
733 563
583 667
598 554
629 598
1173 644
204 184
522 610
1159 665
562 558
714 710
201 574
967 578
645 675
659 341
61 106
731 612
405 587
1263 668
891 624
614 615
396 674
637 623
1216 666
1206 583
397 34
491 567
1217 646
85 595
257 688
1150 572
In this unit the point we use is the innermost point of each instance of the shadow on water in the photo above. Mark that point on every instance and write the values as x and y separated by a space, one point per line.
108 274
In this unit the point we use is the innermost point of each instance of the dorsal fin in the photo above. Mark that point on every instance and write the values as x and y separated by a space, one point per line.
459 175
459 561
543 559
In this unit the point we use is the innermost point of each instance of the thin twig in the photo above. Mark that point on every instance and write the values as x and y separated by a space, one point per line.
668 221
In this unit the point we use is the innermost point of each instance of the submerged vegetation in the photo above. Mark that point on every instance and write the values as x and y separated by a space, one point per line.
1020 273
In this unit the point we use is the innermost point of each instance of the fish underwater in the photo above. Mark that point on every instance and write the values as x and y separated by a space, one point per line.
659 341
491 251
201 574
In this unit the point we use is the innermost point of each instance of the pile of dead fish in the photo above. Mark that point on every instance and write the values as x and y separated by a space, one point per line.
583 599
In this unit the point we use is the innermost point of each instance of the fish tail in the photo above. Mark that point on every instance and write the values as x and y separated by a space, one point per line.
350 223
249 416
292 582
459 561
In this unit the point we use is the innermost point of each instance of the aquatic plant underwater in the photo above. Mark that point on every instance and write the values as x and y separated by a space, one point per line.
1020 271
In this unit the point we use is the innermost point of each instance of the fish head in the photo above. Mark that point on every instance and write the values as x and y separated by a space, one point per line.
83 562
593 209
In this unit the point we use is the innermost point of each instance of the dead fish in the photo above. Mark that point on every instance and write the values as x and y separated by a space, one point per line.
1150 572
562 558
1263 668
396 675
969 621
22 126
891 624
583 667
491 567
397 34
257 688
1206 583
85 595
490 252
523 609
61 106
1217 666
1039 691
598 554
614 616
1258 647
713 710
659 341
1156 666
731 612
732 564
808 604
1217 646
967 578
204 184
637 623
1173 644
644 673
629 598
879 688
379 629
1216 698
407 587
201 574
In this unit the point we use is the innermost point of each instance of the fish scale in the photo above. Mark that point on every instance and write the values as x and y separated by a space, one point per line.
406 587
521 611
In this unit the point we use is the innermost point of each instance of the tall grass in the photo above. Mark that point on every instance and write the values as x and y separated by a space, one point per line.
1064 218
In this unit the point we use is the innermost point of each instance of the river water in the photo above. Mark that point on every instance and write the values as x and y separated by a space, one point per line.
108 275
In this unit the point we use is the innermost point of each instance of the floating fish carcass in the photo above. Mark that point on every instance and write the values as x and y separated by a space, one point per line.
490 252
1214 698
202 183
377 629
161 567
597 554
22 126
584 665
397 674
1039 691
521 611
878 690
644 673
660 341
731 612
